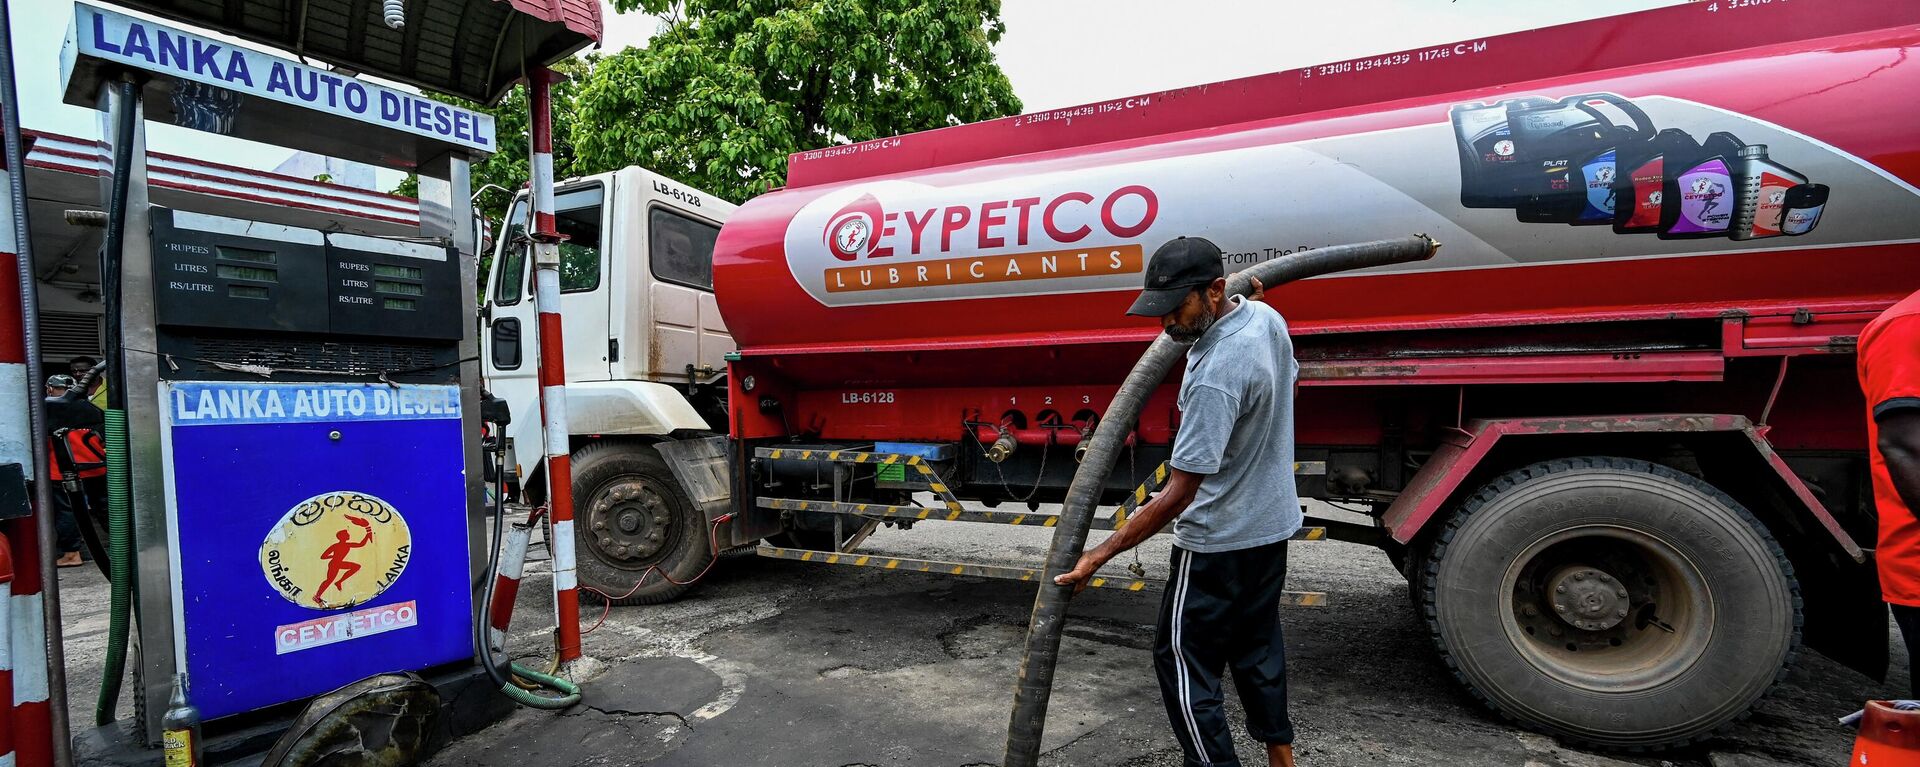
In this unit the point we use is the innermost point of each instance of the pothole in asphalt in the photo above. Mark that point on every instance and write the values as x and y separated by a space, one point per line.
980 639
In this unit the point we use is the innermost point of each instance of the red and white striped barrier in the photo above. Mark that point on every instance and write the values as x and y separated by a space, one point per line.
6 648
506 584
23 651
553 371
32 722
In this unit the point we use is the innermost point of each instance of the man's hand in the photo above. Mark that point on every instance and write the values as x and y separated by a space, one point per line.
1082 572
1257 292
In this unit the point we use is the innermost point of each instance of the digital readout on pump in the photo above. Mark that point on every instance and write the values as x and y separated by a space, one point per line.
216 272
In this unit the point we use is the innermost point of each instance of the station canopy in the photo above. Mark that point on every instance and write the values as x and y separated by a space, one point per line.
474 49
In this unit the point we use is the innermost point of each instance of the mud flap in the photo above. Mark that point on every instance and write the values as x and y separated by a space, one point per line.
704 470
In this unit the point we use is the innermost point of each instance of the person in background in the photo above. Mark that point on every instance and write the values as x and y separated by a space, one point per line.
88 372
1889 368
78 470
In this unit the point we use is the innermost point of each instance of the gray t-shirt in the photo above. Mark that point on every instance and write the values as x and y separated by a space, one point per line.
1236 427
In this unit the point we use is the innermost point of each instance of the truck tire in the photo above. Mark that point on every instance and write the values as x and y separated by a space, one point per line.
631 517
1523 599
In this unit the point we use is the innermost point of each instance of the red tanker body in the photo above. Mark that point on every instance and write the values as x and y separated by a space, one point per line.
1610 432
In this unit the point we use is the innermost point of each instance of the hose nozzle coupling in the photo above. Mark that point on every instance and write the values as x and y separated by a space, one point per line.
1002 446
1088 423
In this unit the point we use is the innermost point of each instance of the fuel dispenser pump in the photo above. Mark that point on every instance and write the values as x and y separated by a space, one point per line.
303 484
311 427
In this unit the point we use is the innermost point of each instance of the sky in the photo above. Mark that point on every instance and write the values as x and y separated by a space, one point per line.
1057 53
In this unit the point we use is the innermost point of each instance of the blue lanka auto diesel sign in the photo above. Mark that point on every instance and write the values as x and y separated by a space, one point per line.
320 535
108 36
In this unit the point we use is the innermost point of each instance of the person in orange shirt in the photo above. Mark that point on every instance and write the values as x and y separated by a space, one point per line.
1890 377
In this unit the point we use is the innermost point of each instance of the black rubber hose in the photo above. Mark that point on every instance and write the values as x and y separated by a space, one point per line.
1070 536
119 459
496 669
501 669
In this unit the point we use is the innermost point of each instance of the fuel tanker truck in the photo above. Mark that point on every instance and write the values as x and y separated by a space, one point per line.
1610 433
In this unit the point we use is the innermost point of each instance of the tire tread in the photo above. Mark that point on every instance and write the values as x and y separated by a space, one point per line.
1506 482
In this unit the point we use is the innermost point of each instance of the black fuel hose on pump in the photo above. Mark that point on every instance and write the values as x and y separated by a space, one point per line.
119 463
1076 515
501 670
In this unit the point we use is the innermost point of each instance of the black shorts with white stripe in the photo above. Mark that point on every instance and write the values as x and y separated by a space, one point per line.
1222 610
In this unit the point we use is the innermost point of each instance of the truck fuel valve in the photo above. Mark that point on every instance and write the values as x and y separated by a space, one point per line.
1002 446
1087 421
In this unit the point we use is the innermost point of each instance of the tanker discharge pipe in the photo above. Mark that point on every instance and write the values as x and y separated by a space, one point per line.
1070 537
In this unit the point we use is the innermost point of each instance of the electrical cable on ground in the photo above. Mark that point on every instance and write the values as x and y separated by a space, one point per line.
713 543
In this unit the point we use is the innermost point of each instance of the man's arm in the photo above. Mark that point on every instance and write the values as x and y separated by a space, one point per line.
1900 447
1146 520
1206 422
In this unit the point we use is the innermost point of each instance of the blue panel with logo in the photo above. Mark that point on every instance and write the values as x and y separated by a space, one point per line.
321 536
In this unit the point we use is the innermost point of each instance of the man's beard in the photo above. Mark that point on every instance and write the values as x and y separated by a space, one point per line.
1187 335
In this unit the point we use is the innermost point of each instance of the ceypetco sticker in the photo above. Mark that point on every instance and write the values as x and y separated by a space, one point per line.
1074 230
321 632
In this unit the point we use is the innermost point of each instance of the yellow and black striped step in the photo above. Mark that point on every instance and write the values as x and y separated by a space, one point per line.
981 570
934 514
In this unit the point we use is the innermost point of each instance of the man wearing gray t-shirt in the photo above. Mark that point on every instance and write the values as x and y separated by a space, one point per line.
1231 497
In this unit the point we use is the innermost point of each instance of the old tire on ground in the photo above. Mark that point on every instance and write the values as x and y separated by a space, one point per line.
631 516
1612 602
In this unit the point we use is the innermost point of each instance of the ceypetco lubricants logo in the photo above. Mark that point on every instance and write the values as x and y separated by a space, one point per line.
898 241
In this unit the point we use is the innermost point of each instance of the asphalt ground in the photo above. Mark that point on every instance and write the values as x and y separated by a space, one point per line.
773 662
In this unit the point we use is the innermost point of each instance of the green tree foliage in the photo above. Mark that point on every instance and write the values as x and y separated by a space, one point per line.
729 88
508 167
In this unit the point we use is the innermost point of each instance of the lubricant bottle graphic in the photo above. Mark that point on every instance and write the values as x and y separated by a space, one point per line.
1488 155
1640 181
1761 198
1559 143
1699 199
1803 207
1599 177
180 728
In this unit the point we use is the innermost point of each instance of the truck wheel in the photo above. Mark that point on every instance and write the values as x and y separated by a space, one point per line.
632 516
1612 602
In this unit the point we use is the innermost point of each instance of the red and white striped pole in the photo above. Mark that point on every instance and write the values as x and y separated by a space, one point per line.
506 584
6 648
553 370
29 720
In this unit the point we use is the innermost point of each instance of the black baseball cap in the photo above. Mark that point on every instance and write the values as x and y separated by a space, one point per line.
1176 269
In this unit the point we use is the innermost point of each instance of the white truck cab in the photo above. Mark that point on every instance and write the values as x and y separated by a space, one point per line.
636 305
644 344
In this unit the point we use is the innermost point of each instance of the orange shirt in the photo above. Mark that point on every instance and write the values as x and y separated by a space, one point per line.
1890 377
